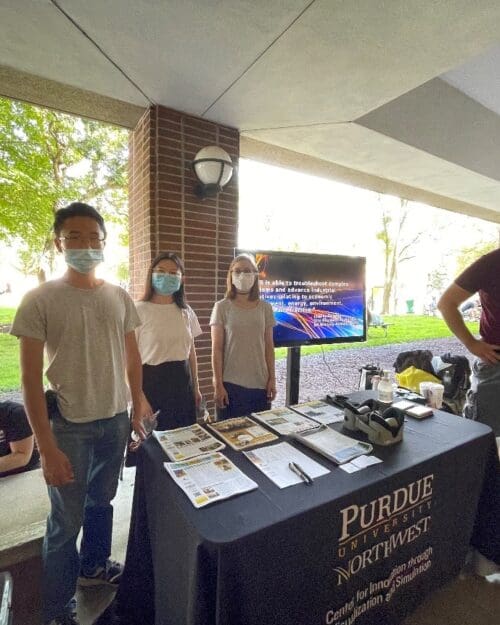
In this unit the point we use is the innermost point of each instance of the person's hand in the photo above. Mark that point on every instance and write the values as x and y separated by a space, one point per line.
485 351
220 396
141 411
56 467
197 396
271 389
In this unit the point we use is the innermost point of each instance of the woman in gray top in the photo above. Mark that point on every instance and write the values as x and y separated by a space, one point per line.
242 344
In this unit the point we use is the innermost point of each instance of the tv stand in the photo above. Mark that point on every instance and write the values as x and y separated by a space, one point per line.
292 376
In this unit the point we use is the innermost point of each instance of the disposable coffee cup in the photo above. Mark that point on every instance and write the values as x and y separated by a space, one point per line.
425 391
436 395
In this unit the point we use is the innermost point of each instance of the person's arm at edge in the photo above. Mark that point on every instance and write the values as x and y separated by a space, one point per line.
449 306
20 455
57 469
141 407
270 362
193 365
220 394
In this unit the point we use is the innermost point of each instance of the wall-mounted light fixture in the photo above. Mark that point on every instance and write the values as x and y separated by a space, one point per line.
213 168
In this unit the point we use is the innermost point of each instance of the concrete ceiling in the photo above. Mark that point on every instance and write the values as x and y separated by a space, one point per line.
396 90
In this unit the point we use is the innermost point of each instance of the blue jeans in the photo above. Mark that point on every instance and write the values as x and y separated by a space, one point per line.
483 395
95 451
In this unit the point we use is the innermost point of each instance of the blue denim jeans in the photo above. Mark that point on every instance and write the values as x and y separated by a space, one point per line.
483 395
95 451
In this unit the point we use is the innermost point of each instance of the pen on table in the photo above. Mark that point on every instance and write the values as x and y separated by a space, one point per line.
298 470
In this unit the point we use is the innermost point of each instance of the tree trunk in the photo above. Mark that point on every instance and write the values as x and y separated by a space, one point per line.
386 298
390 281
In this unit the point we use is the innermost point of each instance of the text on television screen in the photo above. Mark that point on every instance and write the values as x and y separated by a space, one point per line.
316 298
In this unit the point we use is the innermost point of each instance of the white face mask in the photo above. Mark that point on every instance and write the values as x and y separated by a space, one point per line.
243 282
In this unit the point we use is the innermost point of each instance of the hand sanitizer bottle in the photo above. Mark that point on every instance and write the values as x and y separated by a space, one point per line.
385 392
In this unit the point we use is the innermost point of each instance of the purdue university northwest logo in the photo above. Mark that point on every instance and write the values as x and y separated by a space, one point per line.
373 531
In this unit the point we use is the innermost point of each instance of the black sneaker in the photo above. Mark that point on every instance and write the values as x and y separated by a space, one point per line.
109 575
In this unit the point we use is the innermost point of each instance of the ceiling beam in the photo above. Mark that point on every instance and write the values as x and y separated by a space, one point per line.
55 95
275 155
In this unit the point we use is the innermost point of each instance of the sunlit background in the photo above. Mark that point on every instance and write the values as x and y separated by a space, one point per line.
287 210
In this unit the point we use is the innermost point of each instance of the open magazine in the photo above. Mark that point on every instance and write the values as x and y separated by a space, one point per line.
335 446
320 411
242 432
187 442
209 478
284 420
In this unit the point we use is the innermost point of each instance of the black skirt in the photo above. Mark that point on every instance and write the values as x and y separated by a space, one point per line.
168 387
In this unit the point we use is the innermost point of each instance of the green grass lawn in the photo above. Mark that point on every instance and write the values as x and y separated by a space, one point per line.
9 363
9 355
7 315
403 329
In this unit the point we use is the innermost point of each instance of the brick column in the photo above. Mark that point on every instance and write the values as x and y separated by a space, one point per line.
165 215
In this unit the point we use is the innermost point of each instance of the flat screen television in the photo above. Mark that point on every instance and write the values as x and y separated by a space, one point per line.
316 298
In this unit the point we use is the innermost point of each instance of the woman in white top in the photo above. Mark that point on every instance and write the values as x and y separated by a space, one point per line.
166 344
242 344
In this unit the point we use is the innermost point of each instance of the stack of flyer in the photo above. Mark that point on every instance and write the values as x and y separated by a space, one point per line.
242 432
320 411
284 420
209 478
187 442
335 446
204 474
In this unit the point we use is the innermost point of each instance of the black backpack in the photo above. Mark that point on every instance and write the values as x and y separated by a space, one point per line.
456 381
419 358
455 378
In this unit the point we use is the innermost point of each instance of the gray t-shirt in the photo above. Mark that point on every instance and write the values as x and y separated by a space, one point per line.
84 334
244 344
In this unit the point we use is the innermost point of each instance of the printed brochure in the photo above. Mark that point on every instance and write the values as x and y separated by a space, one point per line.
209 478
284 420
187 442
242 432
335 446
320 411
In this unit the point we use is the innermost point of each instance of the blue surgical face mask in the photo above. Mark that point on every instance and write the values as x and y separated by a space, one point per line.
84 260
165 283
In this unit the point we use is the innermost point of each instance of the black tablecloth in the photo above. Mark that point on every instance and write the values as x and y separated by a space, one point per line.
362 547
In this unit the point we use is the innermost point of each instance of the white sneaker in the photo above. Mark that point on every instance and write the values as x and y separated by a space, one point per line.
109 575
482 566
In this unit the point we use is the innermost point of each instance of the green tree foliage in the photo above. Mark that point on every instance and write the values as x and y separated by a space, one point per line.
468 255
48 159
437 281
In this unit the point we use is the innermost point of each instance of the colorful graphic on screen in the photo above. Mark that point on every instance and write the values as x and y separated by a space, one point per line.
316 298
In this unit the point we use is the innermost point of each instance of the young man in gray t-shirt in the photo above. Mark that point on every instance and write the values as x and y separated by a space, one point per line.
86 326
